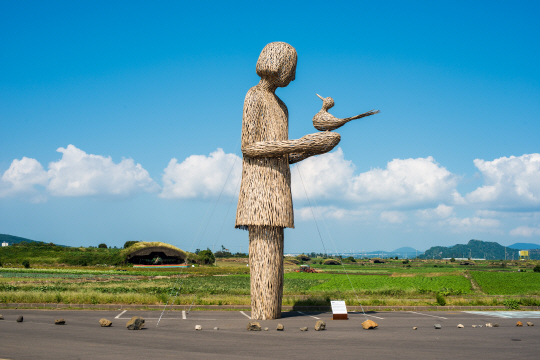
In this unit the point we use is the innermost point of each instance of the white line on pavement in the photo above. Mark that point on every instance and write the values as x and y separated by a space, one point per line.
118 316
376 317
440 317
309 315
246 315
184 314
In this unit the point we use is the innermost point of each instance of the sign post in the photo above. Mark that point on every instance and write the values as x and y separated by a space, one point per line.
339 310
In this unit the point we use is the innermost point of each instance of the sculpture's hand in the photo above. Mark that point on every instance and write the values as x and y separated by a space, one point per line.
319 143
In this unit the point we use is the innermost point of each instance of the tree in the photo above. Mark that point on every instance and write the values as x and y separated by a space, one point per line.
197 251
129 243
102 246
206 256
452 260
537 268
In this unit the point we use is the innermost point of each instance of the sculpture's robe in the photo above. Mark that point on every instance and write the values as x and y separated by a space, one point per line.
265 193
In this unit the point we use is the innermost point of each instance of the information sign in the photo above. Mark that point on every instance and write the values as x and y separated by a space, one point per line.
339 310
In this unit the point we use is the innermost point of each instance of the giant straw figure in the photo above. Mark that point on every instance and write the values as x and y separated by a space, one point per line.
265 203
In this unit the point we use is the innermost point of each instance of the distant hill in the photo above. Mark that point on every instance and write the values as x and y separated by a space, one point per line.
405 249
524 246
11 239
474 249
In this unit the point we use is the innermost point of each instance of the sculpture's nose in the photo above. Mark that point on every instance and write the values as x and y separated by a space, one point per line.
320 97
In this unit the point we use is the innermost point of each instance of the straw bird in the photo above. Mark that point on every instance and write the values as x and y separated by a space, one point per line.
324 121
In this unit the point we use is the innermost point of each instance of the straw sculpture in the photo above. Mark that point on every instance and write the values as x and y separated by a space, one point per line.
325 121
265 203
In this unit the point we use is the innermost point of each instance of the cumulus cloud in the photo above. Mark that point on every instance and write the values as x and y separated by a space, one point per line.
393 217
76 174
525 231
404 182
80 174
22 177
201 176
469 224
441 212
510 182
328 212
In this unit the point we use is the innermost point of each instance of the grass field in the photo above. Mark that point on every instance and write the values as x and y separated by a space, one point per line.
229 283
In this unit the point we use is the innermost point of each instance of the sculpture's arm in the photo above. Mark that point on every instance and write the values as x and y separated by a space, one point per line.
309 145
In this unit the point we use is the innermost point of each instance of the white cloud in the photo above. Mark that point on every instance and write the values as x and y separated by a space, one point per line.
469 224
525 231
510 182
404 182
442 212
328 212
393 217
22 177
80 174
202 176
326 176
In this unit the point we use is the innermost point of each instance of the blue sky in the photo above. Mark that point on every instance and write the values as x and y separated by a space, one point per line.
119 121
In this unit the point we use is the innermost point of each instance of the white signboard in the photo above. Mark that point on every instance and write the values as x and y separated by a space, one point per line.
338 307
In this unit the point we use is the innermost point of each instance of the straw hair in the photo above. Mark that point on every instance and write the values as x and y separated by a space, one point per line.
277 60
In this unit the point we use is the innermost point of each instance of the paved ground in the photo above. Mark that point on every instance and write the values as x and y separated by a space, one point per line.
82 337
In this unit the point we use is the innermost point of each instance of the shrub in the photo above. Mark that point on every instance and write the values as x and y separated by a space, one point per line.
406 261
26 263
102 246
206 256
440 299
129 243
536 268
452 260
512 304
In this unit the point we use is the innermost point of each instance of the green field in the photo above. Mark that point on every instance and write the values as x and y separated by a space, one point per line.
508 283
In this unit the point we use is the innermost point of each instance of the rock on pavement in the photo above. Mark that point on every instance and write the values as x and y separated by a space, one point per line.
320 325
105 323
253 326
369 324
136 323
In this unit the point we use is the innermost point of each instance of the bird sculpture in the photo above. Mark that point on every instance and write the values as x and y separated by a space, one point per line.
324 121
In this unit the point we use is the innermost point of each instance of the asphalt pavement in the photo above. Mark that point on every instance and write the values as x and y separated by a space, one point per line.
37 337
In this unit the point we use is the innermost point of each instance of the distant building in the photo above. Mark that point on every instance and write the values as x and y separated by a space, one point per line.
5 243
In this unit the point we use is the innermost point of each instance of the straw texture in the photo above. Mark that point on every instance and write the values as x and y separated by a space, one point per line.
265 203
324 121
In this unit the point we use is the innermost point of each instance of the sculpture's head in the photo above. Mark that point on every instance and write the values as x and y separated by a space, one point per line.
277 63
327 102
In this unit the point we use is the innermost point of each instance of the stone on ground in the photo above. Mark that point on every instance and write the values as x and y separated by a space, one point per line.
529 323
216 328
489 325
105 323
136 323
198 327
519 323
320 325
265 329
495 325
369 324
253 326
460 326
437 326
279 327
474 326
20 318
1 317
303 328
60 321
415 328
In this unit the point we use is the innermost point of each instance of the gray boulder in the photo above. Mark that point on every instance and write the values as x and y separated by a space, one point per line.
437 326
136 323
20 318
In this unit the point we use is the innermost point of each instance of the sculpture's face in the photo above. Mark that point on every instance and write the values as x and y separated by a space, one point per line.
286 74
